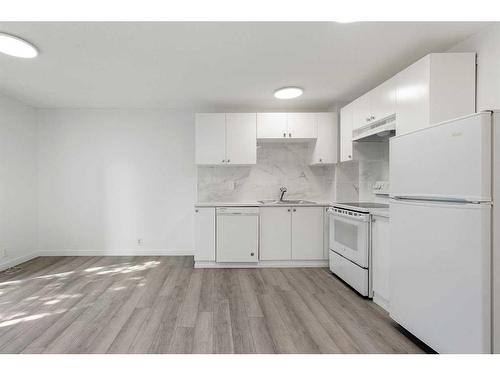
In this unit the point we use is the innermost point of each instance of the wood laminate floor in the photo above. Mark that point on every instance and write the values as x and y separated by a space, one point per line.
164 305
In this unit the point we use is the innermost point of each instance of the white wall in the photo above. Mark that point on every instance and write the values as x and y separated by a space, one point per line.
486 44
110 177
17 182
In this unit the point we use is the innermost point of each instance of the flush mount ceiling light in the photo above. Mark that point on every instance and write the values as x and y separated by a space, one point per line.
288 92
14 46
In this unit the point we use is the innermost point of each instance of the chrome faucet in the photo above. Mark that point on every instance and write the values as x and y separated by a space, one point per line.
283 190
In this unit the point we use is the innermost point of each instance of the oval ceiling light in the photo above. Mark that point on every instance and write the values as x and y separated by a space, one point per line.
288 92
14 46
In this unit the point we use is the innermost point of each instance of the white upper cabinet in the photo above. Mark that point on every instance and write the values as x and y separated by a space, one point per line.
241 138
346 119
302 125
210 134
361 114
438 87
325 150
375 105
226 139
383 100
286 126
271 125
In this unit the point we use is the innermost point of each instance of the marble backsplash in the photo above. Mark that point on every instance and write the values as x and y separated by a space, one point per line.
278 164
355 179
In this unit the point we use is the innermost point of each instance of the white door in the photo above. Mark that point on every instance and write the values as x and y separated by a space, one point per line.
210 134
447 161
325 151
383 100
346 114
440 273
237 238
307 233
275 233
271 125
241 138
412 97
302 125
361 111
380 260
204 243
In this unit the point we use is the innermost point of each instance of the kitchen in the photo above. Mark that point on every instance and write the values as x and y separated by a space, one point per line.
287 222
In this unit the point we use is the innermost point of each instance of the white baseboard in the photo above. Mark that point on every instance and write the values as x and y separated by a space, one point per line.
265 264
14 262
126 252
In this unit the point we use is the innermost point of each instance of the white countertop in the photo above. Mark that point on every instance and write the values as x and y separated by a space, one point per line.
374 211
380 212
257 204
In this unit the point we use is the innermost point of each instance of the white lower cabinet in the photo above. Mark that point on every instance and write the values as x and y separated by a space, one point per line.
380 260
291 233
275 233
307 233
204 234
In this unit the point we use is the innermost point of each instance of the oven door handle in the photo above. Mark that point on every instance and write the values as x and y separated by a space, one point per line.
362 218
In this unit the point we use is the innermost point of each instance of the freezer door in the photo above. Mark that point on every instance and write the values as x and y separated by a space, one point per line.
440 257
451 160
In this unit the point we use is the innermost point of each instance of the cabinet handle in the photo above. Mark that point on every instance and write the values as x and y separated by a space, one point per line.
228 160
223 161
367 119
349 156
251 254
290 135
294 210
288 210
373 117
321 160
196 210
284 135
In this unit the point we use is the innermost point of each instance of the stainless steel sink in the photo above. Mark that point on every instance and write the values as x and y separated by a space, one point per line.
285 201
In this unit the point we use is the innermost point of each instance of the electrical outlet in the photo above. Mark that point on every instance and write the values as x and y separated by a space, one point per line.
139 242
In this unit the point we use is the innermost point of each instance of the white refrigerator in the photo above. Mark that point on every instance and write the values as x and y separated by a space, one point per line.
443 228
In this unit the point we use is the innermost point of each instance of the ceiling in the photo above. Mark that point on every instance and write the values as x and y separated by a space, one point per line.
214 66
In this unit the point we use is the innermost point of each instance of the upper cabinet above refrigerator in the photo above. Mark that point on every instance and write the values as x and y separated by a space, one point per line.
438 87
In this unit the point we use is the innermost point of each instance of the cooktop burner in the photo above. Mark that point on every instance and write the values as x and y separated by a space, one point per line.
360 206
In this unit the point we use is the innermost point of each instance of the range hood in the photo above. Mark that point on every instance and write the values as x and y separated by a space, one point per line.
376 132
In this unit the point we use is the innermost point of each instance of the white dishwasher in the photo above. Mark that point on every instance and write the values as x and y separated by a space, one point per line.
237 234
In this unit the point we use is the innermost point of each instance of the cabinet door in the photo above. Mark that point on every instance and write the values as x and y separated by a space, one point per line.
380 253
302 125
271 125
241 138
210 143
307 233
325 150
361 111
383 100
204 243
275 233
412 97
346 133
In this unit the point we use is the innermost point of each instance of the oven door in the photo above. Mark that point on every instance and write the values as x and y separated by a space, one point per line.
350 236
